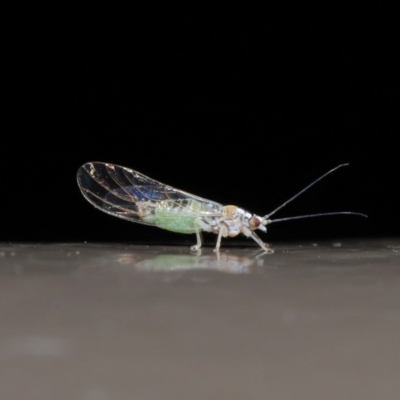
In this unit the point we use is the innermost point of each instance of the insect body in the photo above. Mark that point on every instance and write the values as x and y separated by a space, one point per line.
130 195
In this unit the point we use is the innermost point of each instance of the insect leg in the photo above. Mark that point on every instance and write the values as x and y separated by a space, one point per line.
256 238
200 225
223 231
199 243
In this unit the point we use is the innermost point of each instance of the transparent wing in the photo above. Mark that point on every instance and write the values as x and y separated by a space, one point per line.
130 195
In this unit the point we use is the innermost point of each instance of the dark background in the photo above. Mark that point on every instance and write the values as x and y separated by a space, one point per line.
240 105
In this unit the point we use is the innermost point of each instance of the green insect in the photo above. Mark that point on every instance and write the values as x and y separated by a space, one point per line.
128 194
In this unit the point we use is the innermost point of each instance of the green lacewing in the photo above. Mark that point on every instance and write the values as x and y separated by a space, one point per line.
128 194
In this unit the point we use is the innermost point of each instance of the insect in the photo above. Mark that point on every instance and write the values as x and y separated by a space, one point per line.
128 194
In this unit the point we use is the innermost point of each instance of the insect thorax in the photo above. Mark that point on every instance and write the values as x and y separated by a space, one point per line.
239 221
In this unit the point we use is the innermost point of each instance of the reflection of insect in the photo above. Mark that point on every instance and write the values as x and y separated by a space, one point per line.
130 195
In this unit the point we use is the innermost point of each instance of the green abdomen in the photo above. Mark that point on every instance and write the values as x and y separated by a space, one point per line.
175 217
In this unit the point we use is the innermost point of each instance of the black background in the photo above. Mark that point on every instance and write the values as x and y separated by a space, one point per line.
241 105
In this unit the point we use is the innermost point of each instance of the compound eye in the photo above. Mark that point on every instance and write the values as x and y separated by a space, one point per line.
254 222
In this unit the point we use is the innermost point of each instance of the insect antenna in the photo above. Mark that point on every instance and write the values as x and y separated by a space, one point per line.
267 221
270 221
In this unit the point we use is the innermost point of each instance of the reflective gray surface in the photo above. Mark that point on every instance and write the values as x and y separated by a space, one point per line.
92 321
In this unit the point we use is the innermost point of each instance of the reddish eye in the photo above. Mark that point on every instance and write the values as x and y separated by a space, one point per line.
254 221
